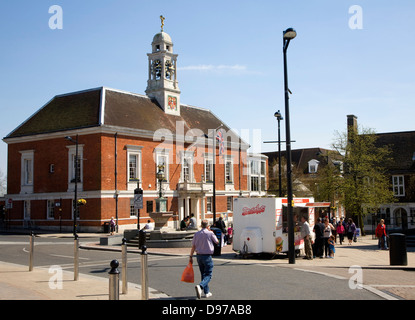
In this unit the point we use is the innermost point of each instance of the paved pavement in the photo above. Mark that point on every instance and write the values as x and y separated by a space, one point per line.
360 259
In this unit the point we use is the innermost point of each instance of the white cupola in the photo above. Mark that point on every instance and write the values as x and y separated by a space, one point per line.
162 81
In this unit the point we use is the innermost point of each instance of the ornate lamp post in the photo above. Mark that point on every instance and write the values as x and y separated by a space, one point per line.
161 203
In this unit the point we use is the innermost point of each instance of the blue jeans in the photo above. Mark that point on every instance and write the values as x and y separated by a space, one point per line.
382 242
205 263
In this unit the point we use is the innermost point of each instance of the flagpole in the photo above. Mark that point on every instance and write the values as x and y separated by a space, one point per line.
214 168
214 177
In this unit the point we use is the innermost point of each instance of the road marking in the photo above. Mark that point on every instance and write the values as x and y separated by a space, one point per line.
379 293
322 273
365 286
393 285
70 257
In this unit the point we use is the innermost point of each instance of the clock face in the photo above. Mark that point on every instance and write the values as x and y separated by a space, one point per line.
157 68
169 69
172 103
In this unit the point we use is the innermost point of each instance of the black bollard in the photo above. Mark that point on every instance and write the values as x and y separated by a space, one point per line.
76 258
114 281
124 267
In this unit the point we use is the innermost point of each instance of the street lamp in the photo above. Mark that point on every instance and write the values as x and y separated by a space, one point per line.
75 205
160 177
288 35
279 118
161 203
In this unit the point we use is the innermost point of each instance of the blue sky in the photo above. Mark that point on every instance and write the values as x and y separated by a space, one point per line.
230 60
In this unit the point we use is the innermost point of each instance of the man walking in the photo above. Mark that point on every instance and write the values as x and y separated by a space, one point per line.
203 244
319 242
306 235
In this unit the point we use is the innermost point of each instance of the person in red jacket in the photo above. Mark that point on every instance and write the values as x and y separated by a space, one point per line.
381 235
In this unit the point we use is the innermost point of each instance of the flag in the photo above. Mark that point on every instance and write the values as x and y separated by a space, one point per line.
219 138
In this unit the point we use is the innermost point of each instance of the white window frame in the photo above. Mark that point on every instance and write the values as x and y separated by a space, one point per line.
71 167
209 204
27 171
26 210
230 173
208 168
189 158
252 180
313 166
256 174
50 209
398 185
133 210
134 151
133 170
159 155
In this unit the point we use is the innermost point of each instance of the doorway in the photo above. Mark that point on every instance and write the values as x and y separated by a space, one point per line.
401 218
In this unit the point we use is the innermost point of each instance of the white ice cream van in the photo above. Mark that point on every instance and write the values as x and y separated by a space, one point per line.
260 225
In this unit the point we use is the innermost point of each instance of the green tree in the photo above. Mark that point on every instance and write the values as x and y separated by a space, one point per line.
327 183
365 184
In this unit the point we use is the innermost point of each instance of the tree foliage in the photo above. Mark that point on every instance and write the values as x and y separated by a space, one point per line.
365 185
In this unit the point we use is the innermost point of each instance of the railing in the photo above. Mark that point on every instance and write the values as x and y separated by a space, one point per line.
191 186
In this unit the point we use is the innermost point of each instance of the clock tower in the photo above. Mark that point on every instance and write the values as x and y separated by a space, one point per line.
162 81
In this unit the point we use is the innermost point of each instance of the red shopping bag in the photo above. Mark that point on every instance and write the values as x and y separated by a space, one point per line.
188 274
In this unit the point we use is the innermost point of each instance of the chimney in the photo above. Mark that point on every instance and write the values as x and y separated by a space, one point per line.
351 126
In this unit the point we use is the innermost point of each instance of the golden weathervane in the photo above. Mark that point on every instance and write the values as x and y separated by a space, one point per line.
162 22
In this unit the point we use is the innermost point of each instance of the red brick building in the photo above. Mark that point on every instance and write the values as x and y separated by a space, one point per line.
122 138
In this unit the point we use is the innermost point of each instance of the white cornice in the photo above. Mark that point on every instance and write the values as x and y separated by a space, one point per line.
104 129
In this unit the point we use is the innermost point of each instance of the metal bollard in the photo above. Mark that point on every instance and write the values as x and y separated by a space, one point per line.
31 250
124 267
141 239
144 274
114 281
76 258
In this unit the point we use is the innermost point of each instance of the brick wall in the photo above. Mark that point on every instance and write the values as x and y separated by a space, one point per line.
99 177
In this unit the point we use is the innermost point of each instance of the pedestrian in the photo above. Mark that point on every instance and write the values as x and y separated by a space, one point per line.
192 223
147 226
306 235
220 224
112 226
350 230
340 231
230 234
381 235
334 231
319 243
183 224
203 244
327 233
332 245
